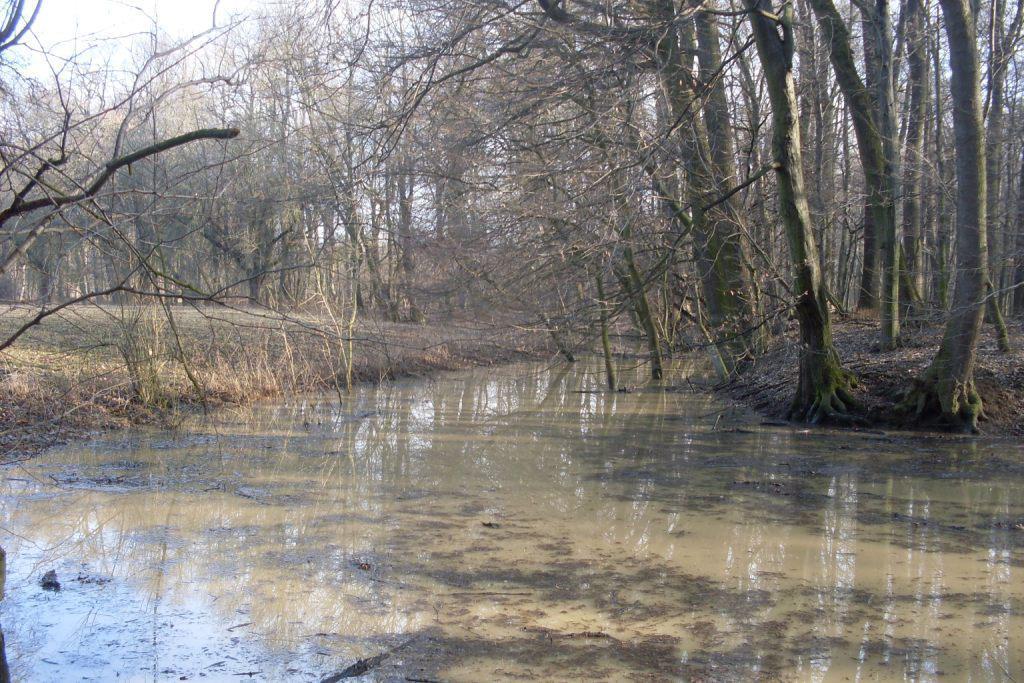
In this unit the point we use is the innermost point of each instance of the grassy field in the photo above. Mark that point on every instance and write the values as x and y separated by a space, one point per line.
103 366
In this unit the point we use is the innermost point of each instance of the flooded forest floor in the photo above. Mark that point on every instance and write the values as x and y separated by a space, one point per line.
882 376
519 522
514 523
94 368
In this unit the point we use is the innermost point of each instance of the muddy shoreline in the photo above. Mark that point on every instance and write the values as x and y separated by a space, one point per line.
768 386
31 424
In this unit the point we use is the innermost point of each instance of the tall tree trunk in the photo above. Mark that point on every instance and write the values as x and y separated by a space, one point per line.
943 177
947 386
993 164
633 285
707 161
867 298
606 344
735 296
889 235
822 392
875 143
913 224
407 259
1018 270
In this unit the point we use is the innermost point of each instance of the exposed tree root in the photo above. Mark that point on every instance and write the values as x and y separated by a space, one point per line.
950 403
830 405
823 392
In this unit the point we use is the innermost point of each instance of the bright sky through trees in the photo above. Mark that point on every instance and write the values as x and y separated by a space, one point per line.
61 22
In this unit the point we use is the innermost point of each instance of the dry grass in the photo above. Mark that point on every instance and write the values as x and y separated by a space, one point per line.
98 367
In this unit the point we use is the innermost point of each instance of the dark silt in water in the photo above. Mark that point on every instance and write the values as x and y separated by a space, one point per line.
515 523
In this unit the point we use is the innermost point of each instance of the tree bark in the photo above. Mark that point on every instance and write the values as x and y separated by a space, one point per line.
913 225
706 150
946 388
876 146
823 388
994 141
733 306
1018 270
889 242
606 344
943 178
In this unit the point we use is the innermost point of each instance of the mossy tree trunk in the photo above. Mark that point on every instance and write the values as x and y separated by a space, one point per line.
946 388
1018 270
943 178
822 392
732 301
890 187
867 297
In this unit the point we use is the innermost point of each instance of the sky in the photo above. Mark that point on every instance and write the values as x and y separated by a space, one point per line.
61 22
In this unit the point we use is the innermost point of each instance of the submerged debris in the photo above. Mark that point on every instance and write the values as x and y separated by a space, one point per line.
49 581
358 668
92 579
1013 525
362 666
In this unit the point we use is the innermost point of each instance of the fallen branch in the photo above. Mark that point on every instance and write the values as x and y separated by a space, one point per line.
20 207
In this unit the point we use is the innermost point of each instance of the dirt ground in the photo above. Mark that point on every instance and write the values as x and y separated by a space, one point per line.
882 376
95 367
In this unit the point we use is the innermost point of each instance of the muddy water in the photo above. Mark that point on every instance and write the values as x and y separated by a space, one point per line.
515 523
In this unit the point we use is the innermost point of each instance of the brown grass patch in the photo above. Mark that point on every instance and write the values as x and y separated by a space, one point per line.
98 367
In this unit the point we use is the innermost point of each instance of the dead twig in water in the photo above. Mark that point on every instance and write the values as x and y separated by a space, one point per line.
362 666
1005 672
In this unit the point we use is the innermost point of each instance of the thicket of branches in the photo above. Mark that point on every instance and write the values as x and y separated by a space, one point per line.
700 171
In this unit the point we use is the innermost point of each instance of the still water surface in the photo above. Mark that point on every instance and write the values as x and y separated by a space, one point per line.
515 523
